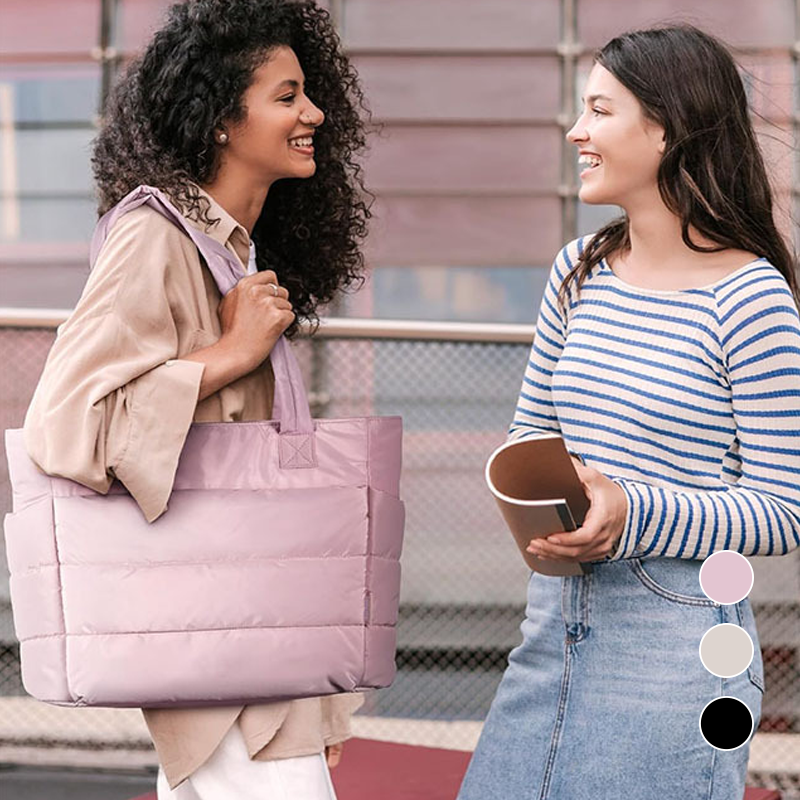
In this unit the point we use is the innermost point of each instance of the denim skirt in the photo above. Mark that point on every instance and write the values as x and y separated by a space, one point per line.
603 697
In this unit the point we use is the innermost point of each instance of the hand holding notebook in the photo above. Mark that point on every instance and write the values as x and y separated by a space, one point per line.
539 493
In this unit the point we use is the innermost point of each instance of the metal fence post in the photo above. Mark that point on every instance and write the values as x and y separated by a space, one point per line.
568 50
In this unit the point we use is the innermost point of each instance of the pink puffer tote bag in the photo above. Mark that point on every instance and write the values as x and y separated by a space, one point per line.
273 574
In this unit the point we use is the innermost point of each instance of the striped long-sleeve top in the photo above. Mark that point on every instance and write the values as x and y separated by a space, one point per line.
689 400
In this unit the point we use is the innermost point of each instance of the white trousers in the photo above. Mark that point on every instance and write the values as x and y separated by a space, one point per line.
230 775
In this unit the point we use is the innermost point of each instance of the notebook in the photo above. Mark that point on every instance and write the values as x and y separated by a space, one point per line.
538 492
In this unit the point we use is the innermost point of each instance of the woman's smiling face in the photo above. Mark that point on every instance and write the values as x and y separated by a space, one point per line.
275 140
620 149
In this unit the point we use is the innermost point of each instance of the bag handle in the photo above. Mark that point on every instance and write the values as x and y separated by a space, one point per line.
290 405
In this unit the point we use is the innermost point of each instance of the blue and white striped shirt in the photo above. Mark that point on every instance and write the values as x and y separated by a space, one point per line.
689 400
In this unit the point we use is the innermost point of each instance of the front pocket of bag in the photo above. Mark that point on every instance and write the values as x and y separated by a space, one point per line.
218 559
672 581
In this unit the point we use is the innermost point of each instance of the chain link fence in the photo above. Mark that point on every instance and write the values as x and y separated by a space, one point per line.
463 592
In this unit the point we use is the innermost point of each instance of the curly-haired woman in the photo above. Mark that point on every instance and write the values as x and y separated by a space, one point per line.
246 114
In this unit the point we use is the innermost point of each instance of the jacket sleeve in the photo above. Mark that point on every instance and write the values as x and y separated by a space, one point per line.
757 510
114 400
535 413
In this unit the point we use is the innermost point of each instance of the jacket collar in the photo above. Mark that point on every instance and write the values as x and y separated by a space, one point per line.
228 232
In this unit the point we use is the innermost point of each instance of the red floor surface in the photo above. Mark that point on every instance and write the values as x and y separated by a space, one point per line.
385 771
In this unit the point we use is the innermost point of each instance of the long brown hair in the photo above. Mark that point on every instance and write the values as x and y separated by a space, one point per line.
712 174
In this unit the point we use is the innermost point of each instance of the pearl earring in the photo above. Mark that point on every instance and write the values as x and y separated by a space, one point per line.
223 138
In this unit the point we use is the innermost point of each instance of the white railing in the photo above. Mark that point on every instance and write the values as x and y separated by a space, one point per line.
330 327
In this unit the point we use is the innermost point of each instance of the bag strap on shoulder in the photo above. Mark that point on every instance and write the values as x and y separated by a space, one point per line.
290 406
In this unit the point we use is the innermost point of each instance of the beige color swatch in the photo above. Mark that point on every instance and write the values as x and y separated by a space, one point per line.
726 650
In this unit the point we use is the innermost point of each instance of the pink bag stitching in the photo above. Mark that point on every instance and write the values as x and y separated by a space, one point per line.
297 451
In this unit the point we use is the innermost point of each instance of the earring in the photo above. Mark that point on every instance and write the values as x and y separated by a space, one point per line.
222 138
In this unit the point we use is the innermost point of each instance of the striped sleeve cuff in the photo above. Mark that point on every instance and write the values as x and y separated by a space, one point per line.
628 546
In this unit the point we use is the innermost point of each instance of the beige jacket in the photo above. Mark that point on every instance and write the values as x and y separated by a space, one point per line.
116 400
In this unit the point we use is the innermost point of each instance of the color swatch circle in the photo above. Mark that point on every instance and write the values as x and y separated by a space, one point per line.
726 650
726 577
726 723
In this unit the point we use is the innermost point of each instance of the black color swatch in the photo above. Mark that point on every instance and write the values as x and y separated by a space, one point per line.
726 723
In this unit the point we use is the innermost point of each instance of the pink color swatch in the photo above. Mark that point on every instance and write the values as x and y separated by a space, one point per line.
726 577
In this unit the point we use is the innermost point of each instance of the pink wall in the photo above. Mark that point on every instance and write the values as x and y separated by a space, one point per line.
468 166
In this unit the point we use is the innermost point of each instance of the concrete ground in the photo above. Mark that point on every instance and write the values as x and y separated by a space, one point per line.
50 783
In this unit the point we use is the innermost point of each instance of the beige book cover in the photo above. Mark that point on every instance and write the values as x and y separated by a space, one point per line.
538 492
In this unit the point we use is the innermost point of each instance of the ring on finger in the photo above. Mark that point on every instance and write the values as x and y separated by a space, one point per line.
274 288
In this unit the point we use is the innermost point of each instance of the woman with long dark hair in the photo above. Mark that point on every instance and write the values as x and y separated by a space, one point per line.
667 355
246 114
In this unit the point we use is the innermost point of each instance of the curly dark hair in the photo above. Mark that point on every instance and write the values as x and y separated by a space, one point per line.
159 127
